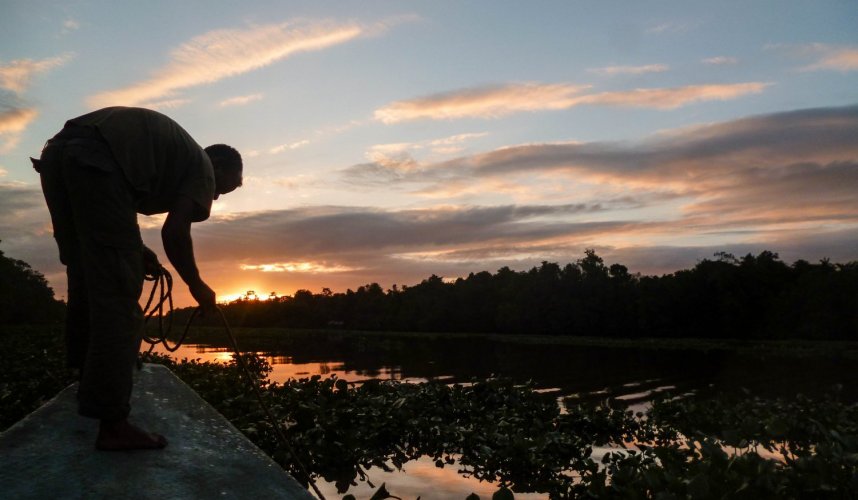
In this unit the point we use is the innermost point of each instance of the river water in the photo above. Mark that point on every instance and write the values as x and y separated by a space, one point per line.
632 373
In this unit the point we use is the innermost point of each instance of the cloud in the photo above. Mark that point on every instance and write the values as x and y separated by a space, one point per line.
826 57
16 119
165 104
835 58
395 163
821 135
357 245
454 143
457 139
346 235
220 54
25 229
668 27
720 60
630 70
392 157
483 102
13 121
795 169
297 267
70 25
288 146
495 101
240 100
814 245
18 197
16 75
671 98
398 155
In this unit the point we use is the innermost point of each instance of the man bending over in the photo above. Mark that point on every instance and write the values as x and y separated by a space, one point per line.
97 174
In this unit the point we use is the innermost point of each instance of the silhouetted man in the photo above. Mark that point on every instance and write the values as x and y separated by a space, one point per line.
97 173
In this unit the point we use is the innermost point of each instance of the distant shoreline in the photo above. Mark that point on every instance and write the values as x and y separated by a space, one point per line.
797 347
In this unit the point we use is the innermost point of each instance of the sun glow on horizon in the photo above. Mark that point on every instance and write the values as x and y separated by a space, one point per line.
249 293
297 267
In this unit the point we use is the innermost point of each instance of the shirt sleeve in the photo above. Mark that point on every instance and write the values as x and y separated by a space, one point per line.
199 185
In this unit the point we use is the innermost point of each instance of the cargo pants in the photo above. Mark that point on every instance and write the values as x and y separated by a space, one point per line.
95 226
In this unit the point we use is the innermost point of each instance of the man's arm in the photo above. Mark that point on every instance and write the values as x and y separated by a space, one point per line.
176 236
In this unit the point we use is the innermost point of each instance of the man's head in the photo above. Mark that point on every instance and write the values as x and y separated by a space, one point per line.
227 165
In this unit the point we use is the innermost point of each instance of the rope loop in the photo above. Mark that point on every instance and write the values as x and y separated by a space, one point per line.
163 286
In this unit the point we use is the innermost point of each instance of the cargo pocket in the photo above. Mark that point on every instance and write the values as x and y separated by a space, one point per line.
102 201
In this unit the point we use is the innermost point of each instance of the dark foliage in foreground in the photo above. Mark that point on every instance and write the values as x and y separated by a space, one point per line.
513 436
754 297
32 369
25 297
500 432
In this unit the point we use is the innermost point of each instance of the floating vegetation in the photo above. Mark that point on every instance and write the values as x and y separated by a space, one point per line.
512 435
734 446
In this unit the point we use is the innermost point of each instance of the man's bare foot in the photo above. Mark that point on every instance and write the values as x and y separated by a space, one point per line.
121 435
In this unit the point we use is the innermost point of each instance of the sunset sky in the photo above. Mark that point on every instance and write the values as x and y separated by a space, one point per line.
385 141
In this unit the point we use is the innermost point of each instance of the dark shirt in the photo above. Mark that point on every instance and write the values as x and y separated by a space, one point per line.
159 159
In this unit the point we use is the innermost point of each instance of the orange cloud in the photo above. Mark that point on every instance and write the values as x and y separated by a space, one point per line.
828 57
16 75
16 119
671 98
485 102
12 123
839 59
492 102
223 53
297 267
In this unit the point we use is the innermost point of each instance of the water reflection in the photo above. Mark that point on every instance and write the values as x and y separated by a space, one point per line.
588 373
630 375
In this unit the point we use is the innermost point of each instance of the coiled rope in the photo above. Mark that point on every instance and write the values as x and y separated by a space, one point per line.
163 285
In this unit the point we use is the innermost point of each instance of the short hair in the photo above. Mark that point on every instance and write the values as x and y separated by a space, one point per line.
226 158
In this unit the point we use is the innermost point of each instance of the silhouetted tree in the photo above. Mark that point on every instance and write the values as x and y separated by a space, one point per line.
753 297
25 296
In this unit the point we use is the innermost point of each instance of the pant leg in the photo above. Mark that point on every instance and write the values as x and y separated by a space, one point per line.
111 263
65 234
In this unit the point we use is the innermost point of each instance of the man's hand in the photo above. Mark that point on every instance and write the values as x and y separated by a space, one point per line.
151 266
204 296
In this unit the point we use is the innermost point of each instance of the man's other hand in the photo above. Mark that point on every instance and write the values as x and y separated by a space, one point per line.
151 265
204 296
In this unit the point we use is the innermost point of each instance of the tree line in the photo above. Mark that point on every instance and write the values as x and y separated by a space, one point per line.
752 297
25 297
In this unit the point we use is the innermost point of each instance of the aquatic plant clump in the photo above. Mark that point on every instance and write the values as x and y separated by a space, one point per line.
516 437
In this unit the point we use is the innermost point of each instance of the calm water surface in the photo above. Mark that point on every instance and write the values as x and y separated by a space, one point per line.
631 374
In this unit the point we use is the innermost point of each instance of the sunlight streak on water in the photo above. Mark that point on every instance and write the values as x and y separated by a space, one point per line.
283 367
